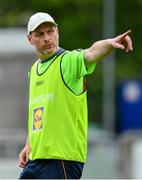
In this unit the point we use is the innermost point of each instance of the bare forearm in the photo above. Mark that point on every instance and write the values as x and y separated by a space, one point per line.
27 141
98 51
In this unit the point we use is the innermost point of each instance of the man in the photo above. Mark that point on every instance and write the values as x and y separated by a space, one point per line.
56 146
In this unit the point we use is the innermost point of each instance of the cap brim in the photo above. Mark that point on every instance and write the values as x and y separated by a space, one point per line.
55 24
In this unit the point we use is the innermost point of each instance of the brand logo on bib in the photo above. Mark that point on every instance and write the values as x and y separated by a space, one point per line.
38 118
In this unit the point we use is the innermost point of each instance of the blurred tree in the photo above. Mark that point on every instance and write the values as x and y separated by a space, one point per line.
129 17
74 17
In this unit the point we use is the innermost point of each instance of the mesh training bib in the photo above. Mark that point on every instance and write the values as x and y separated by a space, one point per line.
57 117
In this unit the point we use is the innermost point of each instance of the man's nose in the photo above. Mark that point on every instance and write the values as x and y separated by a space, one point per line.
46 37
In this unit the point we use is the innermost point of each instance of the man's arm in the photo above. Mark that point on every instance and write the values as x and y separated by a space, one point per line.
24 155
101 49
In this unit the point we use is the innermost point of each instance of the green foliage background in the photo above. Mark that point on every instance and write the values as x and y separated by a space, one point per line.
80 24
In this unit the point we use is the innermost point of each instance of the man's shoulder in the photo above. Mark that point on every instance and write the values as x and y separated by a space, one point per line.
72 59
72 53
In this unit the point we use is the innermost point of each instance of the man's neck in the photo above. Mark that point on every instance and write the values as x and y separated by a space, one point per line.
44 55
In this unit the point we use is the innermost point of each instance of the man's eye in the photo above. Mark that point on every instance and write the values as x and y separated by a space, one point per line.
39 34
50 31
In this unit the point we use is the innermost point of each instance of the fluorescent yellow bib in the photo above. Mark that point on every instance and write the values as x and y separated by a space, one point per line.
57 117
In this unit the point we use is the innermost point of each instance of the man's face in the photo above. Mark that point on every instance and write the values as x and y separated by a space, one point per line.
45 38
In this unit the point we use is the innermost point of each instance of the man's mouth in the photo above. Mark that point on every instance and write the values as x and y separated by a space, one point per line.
48 46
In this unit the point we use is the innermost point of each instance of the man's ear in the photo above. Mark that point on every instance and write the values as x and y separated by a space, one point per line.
30 39
57 32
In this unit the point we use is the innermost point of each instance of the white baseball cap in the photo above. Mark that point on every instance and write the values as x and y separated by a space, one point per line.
37 19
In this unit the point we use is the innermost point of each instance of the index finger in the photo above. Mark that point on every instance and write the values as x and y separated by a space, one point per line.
126 33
